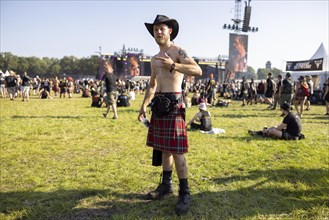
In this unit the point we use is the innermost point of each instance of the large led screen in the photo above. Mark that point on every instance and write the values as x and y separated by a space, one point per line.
133 65
238 53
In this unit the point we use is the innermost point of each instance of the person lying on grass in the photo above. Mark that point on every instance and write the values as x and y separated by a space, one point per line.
289 129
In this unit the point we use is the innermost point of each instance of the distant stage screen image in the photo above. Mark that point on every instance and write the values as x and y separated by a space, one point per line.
238 52
133 65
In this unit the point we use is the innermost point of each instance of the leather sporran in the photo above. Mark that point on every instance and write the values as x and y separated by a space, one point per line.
161 106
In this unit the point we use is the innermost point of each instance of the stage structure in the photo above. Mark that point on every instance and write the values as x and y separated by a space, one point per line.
130 62
238 43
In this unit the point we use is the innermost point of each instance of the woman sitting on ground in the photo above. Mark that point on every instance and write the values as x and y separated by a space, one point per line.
203 116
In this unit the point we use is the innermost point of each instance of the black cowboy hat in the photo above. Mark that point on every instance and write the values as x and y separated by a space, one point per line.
162 19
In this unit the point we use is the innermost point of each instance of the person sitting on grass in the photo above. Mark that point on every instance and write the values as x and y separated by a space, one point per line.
289 129
123 99
203 116
44 94
96 101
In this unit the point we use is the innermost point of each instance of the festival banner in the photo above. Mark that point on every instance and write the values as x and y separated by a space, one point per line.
305 65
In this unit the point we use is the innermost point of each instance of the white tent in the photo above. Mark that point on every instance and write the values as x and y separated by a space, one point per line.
319 77
7 73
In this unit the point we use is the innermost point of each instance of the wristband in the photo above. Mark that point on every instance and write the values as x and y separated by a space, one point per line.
172 67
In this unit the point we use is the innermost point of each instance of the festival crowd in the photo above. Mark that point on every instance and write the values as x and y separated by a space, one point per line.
271 92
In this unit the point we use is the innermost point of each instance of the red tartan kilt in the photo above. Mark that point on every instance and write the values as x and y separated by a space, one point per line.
168 133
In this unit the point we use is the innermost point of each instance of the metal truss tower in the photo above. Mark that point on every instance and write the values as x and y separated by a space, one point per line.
237 16
237 21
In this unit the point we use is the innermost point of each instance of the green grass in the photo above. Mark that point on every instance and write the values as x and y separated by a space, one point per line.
60 159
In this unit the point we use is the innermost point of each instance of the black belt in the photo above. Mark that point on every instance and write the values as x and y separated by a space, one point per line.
174 97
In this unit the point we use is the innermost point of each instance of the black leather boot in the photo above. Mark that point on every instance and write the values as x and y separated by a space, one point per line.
184 201
184 198
164 188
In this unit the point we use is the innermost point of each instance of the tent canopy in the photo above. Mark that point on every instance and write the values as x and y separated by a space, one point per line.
318 76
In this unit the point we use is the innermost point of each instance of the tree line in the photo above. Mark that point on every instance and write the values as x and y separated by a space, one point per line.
71 65
50 67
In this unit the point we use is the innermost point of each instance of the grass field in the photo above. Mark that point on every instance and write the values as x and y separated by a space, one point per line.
60 159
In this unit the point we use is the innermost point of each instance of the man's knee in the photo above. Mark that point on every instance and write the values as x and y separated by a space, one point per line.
180 161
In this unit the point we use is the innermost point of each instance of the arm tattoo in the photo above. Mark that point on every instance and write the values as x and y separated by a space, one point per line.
183 53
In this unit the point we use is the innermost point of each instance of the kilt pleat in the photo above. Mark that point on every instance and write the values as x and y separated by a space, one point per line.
168 133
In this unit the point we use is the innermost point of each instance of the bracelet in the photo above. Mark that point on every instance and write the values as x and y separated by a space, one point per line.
172 67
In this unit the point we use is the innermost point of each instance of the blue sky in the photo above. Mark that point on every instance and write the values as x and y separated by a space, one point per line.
288 30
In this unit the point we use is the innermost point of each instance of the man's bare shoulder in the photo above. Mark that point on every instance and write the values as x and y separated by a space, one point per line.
175 48
154 56
177 53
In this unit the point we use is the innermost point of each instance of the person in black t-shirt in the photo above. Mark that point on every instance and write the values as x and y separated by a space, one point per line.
123 99
252 92
244 90
210 89
11 83
286 89
203 117
25 87
62 88
111 81
289 129
269 90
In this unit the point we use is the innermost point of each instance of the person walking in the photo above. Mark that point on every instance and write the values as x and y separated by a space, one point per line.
326 96
269 90
11 83
261 92
55 86
2 85
111 81
25 87
252 92
301 93
62 88
167 128
286 89
244 90
277 93
310 85
210 90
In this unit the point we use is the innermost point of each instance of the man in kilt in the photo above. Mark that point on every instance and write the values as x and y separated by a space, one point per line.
167 129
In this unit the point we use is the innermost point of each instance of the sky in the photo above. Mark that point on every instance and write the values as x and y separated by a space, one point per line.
288 30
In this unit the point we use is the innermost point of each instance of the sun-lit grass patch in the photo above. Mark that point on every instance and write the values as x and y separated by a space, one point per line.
61 159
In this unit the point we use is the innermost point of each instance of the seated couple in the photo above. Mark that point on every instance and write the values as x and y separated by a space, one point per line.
289 129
